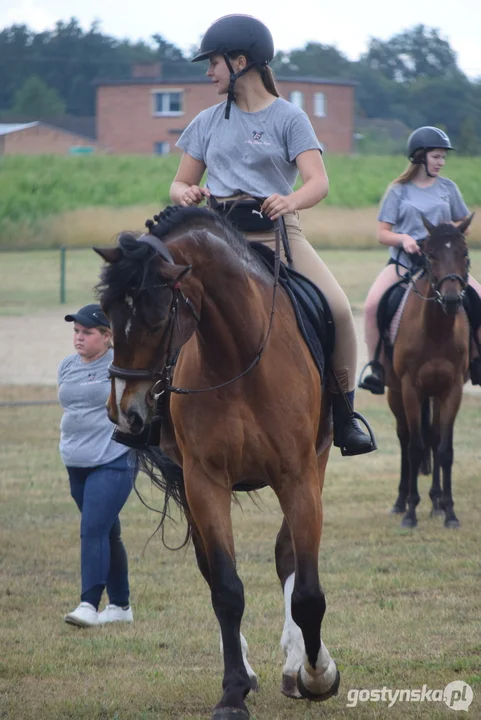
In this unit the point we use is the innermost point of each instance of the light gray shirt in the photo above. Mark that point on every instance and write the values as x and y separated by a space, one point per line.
404 205
252 152
85 429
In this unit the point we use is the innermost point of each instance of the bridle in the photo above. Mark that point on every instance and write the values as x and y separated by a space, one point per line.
436 285
162 376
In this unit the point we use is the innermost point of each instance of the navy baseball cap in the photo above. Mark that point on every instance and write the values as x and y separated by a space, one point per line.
89 316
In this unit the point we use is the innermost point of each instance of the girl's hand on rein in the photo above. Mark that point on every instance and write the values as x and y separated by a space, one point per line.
410 245
277 205
193 195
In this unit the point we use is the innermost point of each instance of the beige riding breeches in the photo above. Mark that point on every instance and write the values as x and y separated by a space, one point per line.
306 261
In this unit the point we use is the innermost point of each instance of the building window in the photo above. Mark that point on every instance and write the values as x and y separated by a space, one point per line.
168 102
161 148
297 98
319 104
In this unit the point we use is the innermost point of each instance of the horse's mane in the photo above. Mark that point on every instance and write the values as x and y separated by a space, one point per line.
174 218
136 272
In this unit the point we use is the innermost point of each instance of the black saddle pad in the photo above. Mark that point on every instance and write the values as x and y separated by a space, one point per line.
312 311
388 305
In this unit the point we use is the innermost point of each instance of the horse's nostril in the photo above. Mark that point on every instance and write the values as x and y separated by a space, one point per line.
135 422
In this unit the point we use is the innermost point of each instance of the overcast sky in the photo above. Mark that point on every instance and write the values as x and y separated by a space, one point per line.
347 24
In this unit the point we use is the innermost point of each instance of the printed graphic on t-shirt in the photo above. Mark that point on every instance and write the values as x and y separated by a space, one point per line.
257 138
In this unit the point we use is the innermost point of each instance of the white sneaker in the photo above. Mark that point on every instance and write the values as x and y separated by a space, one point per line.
85 615
114 613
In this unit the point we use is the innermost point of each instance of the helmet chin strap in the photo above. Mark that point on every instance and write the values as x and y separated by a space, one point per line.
425 163
233 77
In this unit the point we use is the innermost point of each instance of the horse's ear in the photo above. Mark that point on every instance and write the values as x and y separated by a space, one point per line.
428 225
175 273
110 255
463 226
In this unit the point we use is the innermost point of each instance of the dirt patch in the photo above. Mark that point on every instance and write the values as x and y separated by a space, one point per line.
32 346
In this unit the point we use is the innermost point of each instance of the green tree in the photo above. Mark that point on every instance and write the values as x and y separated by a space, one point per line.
468 143
34 97
314 60
416 53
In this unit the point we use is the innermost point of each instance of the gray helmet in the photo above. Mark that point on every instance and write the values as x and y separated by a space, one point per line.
427 138
233 33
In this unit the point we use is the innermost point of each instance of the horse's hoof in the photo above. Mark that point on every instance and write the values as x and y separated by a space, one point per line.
409 522
323 696
226 713
289 686
452 523
254 683
398 509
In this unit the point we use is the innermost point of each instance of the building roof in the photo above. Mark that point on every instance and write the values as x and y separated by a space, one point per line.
105 82
6 128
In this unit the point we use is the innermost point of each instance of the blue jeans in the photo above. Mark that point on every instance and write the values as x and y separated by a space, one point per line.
100 493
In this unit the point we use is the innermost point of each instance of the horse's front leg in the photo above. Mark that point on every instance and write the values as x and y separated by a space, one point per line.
210 505
292 642
317 677
448 411
435 492
397 408
412 407
203 565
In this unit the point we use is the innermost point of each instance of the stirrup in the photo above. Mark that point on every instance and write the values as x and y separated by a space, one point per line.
369 440
375 381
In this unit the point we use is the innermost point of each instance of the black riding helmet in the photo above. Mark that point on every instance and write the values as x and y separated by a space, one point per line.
237 33
426 138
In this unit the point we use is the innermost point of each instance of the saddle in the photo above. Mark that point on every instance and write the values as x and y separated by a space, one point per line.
311 308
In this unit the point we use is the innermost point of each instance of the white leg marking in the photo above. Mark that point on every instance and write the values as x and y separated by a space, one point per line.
245 652
322 678
292 644
128 325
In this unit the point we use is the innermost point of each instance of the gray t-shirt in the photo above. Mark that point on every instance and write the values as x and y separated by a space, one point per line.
252 152
85 429
403 206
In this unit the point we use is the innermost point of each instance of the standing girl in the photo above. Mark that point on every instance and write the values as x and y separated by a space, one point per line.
101 472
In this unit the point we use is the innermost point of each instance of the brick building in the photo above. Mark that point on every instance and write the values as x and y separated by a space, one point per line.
39 138
145 115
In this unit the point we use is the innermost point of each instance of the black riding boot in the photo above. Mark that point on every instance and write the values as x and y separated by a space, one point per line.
348 434
150 436
374 382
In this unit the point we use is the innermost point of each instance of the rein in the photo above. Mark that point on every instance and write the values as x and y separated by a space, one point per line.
164 376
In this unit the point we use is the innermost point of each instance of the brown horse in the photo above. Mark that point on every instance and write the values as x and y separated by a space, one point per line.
190 306
429 368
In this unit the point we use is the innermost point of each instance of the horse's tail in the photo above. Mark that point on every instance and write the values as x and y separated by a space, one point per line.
168 477
426 435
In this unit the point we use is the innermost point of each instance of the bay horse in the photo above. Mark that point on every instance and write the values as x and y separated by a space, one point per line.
190 306
428 370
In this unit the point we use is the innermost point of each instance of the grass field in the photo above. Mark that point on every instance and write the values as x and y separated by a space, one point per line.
403 608
46 201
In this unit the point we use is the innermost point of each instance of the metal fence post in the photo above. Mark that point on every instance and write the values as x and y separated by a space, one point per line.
63 252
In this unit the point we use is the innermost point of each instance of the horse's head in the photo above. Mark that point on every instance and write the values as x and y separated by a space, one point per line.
140 290
447 262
